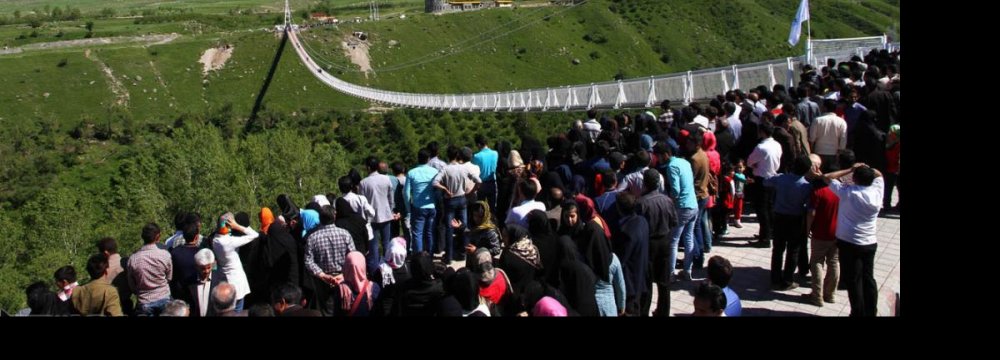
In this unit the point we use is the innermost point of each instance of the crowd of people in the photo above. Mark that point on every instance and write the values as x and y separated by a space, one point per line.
585 224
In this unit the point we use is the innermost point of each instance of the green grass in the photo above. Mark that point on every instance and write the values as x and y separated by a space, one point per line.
123 6
180 143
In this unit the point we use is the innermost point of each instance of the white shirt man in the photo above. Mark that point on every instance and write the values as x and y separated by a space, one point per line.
765 158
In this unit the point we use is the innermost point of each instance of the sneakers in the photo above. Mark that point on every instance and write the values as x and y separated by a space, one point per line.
829 300
738 225
815 300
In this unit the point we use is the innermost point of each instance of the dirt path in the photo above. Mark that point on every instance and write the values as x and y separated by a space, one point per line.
144 40
117 87
357 51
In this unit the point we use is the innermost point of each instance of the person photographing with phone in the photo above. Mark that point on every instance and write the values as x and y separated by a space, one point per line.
234 232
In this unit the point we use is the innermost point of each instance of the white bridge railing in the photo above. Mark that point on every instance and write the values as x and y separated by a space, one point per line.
632 93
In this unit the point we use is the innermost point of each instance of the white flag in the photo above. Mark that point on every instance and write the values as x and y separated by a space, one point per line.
800 17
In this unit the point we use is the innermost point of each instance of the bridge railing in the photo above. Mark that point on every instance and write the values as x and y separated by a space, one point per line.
631 93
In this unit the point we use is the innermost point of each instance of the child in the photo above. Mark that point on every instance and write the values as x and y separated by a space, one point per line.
727 188
739 181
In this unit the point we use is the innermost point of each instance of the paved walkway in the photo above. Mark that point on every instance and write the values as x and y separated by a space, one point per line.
751 278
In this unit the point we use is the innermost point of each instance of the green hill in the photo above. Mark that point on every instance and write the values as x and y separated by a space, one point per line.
84 161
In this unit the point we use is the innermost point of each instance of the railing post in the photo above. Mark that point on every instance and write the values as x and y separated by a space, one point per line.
770 73
651 97
689 89
725 82
621 99
736 78
548 99
791 73
594 97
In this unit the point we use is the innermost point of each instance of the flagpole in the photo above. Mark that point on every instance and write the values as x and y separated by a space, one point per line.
809 54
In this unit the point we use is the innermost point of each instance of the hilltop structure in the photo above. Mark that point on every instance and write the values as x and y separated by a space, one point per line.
445 6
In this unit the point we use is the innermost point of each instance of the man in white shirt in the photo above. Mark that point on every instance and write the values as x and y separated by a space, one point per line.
518 214
828 135
857 216
592 128
451 182
764 160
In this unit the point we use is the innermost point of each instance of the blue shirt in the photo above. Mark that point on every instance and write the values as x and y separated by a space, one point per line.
733 306
418 191
486 160
681 180
852 114
791 194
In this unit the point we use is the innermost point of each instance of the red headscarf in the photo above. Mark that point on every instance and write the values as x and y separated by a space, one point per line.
585 206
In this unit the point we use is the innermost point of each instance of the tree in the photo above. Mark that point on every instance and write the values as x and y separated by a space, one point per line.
73 14
108 12
90 26
17 14
57 13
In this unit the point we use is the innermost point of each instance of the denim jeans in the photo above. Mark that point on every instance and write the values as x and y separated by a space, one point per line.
382 231
423 230
152 309
703 230
684 230
454 207
488 192
239 305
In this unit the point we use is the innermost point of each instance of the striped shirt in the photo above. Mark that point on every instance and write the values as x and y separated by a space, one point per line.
327 250
149 271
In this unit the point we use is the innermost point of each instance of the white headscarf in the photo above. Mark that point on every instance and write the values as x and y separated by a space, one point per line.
321 200
395 258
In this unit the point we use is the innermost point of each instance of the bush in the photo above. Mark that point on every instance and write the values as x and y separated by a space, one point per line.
63 62
595 55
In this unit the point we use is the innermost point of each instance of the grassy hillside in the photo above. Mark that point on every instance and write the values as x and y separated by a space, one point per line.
79 165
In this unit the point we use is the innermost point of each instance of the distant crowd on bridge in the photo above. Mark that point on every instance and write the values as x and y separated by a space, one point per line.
587 223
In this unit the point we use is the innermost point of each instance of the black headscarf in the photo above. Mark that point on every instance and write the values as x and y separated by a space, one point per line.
289 210
464 286
564 227
596 251
578 282
349 220
282 254
422 267
544 239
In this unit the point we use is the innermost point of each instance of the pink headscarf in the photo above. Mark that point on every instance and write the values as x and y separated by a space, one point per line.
354 275
549 307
